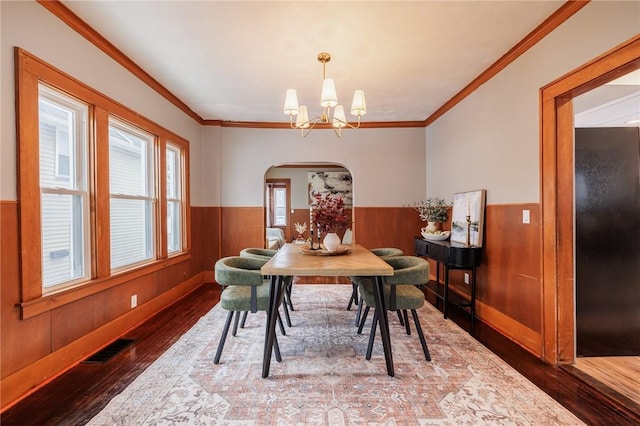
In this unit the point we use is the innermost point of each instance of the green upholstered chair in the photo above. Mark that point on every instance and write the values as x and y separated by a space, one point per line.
382 252
245 290
400 294
258 253
266 254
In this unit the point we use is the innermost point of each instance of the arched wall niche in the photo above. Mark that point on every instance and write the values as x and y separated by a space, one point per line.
296 174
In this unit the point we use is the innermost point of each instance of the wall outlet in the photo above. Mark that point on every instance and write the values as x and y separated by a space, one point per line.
526 216
466 278
134 301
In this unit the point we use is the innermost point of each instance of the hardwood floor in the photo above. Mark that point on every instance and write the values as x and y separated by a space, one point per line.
620 373
75 397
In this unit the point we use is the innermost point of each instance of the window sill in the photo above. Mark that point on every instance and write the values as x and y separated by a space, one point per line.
32 308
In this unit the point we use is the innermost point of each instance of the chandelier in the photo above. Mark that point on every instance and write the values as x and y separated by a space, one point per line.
328 100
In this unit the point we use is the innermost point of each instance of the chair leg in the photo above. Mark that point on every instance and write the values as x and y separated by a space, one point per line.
406 322
372 334
402 322
276 349
359 311
244 319
423 342
235 324
287 292
363 319
354 296
279 319
286 314
223 337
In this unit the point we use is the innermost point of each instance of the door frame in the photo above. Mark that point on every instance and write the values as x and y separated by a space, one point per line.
286 182
557 177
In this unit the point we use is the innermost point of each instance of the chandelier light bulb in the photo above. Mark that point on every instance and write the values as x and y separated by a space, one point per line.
291 102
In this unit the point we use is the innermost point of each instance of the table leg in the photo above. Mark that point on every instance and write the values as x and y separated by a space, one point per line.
473 300
384 323
275 293
445 297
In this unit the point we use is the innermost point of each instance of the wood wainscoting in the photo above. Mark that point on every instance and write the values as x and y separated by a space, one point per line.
61 337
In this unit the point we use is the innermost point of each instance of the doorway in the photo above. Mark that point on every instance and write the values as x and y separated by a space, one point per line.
557 204
277 201
294 182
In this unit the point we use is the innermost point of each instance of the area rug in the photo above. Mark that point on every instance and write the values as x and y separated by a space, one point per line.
324 378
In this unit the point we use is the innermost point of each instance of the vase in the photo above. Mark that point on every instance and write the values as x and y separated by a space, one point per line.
431 227
331 241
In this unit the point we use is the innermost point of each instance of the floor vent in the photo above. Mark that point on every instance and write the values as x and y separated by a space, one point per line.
108 352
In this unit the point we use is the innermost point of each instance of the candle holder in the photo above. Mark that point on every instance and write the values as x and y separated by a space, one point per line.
468 243
311 241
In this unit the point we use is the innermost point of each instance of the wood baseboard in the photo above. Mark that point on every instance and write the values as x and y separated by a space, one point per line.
529 339
31 378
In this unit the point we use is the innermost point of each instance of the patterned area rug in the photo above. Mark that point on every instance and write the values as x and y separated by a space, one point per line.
324 378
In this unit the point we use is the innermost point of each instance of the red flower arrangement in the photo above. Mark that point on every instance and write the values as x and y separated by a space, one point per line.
329 214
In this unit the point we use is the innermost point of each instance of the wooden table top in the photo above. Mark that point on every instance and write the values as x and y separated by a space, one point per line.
291 261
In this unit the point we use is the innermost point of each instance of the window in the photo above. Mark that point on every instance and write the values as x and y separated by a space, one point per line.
132 195
64 201
104 195
280 206
174 198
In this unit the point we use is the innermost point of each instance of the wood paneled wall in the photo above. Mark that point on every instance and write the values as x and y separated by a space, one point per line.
241 227
37 349
205 229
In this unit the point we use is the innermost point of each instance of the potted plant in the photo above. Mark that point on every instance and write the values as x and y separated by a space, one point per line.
329 216
433 210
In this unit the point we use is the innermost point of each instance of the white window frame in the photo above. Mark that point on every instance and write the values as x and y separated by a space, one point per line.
149 197
282 191
175 191
75 185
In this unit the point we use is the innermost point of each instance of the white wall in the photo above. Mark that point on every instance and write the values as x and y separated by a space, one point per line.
387 165
491 139
30 26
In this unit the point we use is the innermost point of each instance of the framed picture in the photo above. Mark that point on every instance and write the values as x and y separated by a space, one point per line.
330 184
470 204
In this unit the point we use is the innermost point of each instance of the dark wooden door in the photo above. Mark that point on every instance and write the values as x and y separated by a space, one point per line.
607 202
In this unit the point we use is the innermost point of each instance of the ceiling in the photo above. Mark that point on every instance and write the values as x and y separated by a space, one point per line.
615 104
234 60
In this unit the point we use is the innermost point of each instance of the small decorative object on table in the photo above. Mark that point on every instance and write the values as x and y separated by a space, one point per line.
330 216
300 229
306 249
435 236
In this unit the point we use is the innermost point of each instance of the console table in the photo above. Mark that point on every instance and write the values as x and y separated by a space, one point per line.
452 256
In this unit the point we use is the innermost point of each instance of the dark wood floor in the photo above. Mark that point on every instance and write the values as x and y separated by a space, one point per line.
78 395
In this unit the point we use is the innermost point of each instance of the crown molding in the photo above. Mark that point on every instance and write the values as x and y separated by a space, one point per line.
326 126
557 18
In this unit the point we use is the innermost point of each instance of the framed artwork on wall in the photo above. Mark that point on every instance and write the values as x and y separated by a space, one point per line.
330 184
468 204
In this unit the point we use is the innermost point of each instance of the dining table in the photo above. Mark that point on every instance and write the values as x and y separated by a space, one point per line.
351 260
